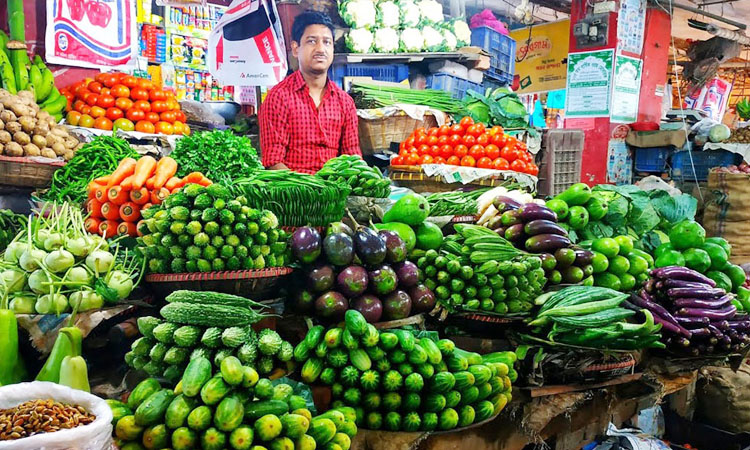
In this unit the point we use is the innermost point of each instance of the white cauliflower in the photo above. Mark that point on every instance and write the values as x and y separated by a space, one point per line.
411 40
410 14
359 40
386 40
462 32
431 11
433 39
358 13
450 40
388 15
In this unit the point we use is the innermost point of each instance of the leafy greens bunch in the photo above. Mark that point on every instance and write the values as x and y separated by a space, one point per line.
219 155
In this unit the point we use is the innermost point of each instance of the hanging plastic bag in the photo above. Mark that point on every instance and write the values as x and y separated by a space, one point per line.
95 436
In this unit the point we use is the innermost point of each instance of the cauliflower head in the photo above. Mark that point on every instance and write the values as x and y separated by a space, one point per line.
449 40
411 40
433 39
410 14
388 15
358 13
462 32
386 40
359 40
431 11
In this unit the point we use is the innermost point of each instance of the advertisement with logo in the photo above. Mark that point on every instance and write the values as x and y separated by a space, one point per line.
91 33
246 48
540 56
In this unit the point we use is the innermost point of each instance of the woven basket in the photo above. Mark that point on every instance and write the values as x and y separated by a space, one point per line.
377 134
413 178
256 284
27 172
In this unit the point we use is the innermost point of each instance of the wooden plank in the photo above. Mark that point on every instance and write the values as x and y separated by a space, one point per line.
563 389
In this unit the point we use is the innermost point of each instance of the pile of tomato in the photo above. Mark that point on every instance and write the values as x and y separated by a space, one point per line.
466 144
125 102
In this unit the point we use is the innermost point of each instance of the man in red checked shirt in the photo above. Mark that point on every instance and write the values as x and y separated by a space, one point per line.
306 119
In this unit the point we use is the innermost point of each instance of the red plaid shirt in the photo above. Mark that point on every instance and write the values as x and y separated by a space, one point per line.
294 132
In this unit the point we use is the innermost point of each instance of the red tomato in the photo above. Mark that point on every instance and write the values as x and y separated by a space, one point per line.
90 98
105 101
499 139
446 151
409 141
145 84
527 157
476 151
492 151
135 115
484 163
420 130
433 131
124 103
120 90
110 79
397 161
168 116
472 131
532 169
143 105
442 140
95 87
439 160
123 124
97 111
483 139
85 110
405 151
139 94
469 140
460 151
434 150
114 114
426 159
421 139
466 121
500 164
509 153
468 161
497 129
480 127
457 129
164 128
152 117
432 139
157 94
423 149
144 126
412 160
103 123
129 81
453 161
78 104
518 166
454 140
444 130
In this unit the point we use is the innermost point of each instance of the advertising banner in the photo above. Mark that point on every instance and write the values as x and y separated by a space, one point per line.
540 56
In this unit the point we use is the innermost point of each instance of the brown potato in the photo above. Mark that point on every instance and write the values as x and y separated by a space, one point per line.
53 139
27 123
59 148
22 138
5 137
13 127
8 116
39 140
71 142
13 149
48 153
68 155
31 150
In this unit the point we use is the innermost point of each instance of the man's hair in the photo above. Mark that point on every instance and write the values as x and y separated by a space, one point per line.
306 19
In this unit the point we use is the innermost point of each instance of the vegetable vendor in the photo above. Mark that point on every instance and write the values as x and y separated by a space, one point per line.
307 119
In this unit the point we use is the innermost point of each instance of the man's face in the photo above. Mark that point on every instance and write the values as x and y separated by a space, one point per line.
315 49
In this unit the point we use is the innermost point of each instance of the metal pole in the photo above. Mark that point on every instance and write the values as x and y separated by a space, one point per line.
739 25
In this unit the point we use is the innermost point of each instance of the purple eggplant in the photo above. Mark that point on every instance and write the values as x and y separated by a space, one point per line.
352 281
320 278
306 244
395 248
650 285
303 301
701 333
546 242
533 211
693 322
495 222
583 257
723 325
706 292
672 283
396 305
542 226
510 217
503 203
369 246
331 305
514 233
370 306
500 231
725 343
422 299
702 302
718 314
338 248
383 280
407 273
680 341
740 325
682 273
715 331
661 315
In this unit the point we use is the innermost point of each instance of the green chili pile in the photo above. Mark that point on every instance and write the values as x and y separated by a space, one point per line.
219 155
95 159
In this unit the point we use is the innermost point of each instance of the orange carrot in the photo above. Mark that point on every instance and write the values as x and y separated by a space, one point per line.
193 177
172 183
94 207
165 169
127 228
144 168
127 183
150 184
92 225
147 205
205 181
110 211
124 170
101 194
117 195
102 180
141 228
158 195
108 228
130 212
139 196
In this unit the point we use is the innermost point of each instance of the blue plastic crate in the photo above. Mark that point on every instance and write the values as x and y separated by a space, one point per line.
502 50
455 86
702 161
652 159
381 72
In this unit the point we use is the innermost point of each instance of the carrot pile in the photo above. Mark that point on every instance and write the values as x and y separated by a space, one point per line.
115 201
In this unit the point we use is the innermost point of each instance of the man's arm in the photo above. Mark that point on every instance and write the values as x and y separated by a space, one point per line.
274 137
349 133
279 166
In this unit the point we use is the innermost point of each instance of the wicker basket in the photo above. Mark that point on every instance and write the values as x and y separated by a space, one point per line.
377 134
27 172
257 284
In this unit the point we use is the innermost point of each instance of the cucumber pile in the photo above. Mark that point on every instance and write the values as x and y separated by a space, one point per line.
401 382
477 270
617 265
352 170
210 325
203 229
231 407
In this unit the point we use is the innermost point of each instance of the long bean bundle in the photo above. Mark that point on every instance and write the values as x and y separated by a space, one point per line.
456 203
297 199
95 159
374 96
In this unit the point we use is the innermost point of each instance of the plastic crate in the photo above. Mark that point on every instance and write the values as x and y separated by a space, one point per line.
683 169
502 50
455 86
381 72
560 167
651 159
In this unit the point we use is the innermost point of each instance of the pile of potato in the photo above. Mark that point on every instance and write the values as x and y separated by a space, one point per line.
740 135
25 130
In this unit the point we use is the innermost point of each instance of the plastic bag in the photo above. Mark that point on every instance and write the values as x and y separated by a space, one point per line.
95 436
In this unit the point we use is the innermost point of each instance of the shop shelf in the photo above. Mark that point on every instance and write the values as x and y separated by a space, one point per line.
685 169
502 50
455 86
380 72
560 166
651 159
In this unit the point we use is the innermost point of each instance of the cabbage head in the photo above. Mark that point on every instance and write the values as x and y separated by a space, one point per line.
450 40
719 133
